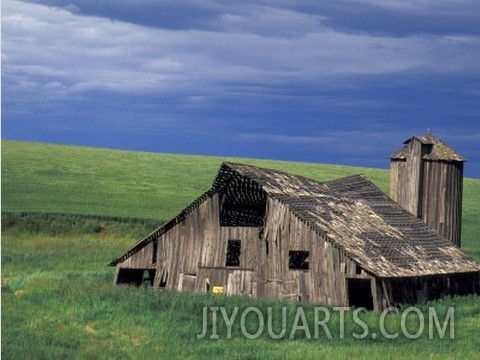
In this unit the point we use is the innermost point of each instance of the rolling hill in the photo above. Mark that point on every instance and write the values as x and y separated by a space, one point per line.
62 179
58 300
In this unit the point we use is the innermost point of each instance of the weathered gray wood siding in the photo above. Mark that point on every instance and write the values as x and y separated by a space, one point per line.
325 280
198 246
442 200
407 179
191 257
397 169
140 260
431 190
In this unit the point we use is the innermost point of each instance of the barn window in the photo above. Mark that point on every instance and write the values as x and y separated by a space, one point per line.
298 260
234 249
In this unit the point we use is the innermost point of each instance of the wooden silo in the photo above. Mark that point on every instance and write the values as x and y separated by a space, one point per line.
426 178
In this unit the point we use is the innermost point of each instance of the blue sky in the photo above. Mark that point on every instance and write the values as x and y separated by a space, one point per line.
342 81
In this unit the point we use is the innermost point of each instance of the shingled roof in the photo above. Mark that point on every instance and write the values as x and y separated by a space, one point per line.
352 214
439 151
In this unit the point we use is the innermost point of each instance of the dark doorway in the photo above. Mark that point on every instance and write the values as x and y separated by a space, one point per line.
136 276
360 293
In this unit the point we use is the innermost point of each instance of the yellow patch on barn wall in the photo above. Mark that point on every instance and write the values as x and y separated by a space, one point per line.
217 290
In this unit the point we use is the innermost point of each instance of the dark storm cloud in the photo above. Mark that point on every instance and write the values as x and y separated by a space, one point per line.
381 17
277 79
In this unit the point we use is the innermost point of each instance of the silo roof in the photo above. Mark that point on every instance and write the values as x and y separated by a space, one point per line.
439 151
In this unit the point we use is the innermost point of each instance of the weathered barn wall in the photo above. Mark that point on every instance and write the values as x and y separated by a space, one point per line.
131 271
143 259
192 257
407 178
193 249
398 168
325 280
442 199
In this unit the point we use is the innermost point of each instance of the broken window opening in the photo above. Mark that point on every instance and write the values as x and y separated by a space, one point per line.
234 249
242 203
298 260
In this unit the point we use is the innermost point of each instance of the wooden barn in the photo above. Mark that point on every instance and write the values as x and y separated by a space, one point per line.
264 233
426 178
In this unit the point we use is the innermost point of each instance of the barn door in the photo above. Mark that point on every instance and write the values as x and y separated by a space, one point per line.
360 293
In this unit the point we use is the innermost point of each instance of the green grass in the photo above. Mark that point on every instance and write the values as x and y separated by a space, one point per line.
100 182
471 217
68 211
81 180
58 301
35 223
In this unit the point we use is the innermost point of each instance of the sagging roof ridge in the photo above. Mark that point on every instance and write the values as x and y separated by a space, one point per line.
395 224
361 195
220 180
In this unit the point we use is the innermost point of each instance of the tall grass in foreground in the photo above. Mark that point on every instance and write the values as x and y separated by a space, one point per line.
58 301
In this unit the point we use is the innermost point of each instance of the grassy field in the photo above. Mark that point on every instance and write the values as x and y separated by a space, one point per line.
68 211
101 182
80 180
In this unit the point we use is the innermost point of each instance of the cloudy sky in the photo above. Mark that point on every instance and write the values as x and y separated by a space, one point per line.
343 81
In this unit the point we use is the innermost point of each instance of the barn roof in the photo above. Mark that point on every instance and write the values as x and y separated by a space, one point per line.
352 214
438 151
